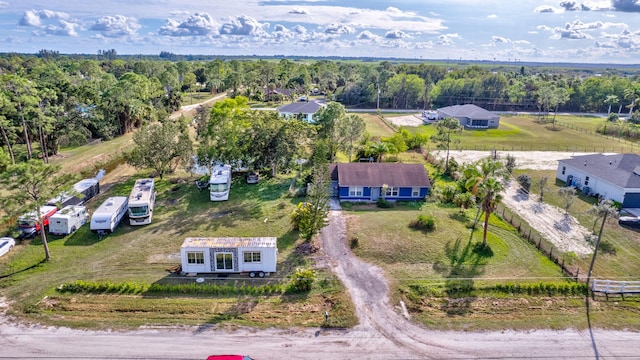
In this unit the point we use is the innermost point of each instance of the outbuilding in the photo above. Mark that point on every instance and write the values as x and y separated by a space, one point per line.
228 255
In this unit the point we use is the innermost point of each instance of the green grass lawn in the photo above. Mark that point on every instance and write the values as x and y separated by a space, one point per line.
140 254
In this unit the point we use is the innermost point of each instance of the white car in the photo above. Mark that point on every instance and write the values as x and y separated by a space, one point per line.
6 244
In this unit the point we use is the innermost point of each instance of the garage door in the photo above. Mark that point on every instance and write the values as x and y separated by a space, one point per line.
631 200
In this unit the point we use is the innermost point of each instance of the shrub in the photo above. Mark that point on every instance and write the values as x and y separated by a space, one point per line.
302 280
607 247
424 222
525 182
384 204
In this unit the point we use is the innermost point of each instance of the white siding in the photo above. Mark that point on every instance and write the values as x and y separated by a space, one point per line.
597 185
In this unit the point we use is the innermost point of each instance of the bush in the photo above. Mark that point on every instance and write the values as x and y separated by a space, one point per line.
302 280
424 222
525 182
384 204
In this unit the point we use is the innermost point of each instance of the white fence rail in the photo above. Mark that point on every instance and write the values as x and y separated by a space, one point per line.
616 287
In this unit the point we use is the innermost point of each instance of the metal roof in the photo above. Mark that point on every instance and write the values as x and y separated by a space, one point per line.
619 169
378 174
229 242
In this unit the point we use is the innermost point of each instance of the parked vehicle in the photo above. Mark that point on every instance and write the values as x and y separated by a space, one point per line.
6 244
85 190
109 214
28 223
220 183
141 201
253 177
68 219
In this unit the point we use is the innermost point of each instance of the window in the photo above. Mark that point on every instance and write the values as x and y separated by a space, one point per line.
586 181
415 192
564 168
252 257
355 191
195 258
392 191
224 261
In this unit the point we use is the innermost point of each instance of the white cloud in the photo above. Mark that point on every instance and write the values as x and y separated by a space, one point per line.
4 4
339 29
243 25
492 16
368 35
447 39
65 28
116 26
500 39
547 9
396 34
626 5
300 29
298 11
35 17
198 24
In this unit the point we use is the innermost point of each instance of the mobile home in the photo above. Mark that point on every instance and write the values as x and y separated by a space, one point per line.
68 219
141 201
220 183
252 255
85 190
109 214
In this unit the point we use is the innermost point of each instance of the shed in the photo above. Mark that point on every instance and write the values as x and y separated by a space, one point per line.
253 255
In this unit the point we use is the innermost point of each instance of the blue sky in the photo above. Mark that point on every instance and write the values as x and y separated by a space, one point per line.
597 31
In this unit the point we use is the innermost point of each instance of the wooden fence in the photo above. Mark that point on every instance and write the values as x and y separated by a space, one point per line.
615 287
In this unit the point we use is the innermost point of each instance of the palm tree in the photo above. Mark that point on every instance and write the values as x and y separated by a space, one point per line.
632 94
478 173
606 209
490 194
611 99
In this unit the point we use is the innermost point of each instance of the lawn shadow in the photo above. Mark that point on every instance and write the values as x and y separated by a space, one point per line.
465 260
24 269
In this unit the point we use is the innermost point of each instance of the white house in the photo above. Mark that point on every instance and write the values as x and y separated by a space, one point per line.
471 116
303 110
253 255
615 177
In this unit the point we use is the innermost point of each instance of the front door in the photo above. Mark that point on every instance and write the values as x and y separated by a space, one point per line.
375 193
224 261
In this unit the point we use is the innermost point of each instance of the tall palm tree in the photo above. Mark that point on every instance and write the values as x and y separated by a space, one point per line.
611 99
632 94
478 173
491 197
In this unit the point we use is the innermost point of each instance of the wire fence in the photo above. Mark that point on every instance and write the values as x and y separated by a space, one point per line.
566 148
535 238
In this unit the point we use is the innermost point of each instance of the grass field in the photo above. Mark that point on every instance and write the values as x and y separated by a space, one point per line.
524 132
141 255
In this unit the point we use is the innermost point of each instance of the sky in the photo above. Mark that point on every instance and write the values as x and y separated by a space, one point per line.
596 31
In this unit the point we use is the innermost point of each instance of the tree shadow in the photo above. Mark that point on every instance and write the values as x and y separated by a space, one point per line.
24 269
465 264
593 339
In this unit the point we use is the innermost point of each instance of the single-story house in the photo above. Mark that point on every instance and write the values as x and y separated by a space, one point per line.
253 255
471 116
303 110
371 181
615 177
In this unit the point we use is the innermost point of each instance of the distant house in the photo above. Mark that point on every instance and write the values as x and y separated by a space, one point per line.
371 181
615 177
471 116
303 110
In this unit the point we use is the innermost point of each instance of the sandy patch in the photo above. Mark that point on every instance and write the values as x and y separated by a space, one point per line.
407 120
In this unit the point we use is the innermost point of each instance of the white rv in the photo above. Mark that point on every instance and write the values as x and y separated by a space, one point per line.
141 201
109 214
220 183
252 255
86 189
68 219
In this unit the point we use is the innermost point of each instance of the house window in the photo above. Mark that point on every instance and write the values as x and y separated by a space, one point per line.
195 258
355 191
415 192
392 191
252 257
563 169
586 181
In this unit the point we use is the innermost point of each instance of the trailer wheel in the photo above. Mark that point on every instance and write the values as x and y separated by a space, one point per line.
73 229
261 274
252 274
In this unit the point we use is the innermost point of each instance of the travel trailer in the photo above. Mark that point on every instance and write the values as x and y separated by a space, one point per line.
28 223
141 201
109 214
220 183
252 255
68 219
85 190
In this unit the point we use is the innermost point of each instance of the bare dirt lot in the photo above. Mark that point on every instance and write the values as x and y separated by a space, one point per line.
406 120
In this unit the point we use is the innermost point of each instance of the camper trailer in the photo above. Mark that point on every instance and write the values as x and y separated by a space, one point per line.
220 183
109 214
223 255
68 219
28 223
85 190
141 202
